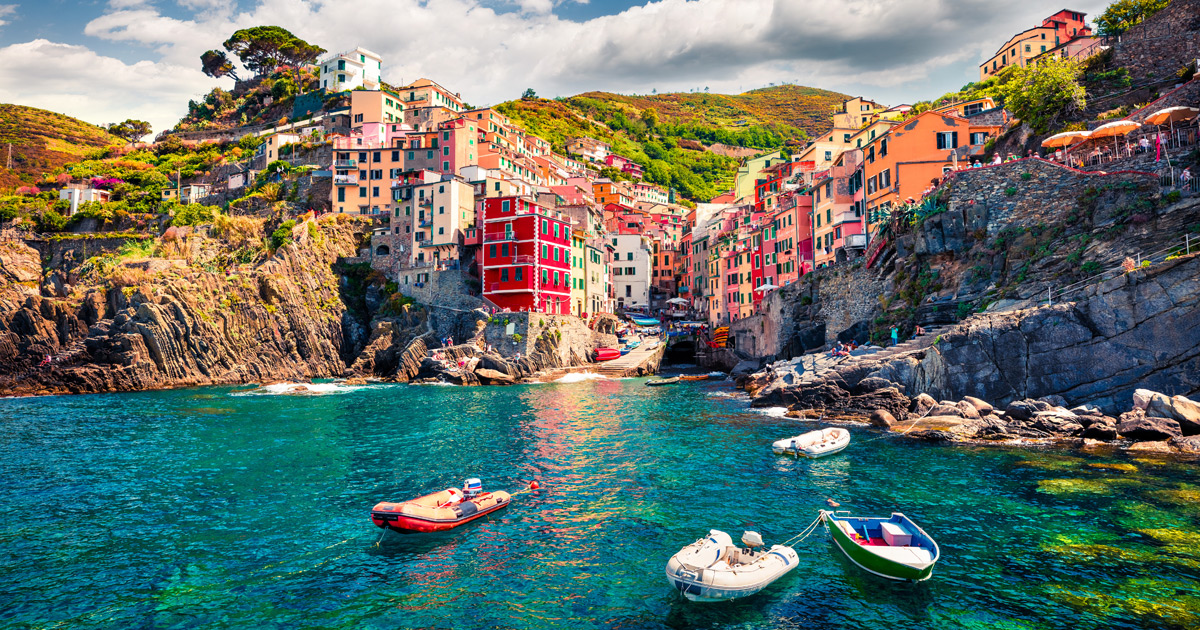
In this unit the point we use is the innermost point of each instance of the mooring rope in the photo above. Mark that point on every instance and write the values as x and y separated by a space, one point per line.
812 527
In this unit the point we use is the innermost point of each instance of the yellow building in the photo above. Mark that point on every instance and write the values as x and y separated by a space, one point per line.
749 172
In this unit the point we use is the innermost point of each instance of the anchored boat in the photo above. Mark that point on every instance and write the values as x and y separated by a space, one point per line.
894 548
694 377
814 443
712 569
440 511
663 381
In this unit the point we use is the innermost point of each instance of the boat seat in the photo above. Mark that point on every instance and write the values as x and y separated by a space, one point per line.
848 530
904 555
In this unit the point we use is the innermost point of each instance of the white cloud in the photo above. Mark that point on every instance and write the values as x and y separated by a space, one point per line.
892 50
76 81
7 10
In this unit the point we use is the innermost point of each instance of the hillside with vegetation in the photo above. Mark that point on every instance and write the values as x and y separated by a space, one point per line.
666 132
42 142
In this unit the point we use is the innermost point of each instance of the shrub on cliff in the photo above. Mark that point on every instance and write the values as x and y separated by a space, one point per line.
283 234
194 214
1121 15
1043 94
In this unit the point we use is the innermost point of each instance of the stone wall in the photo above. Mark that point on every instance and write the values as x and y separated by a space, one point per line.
575 340
1164 43
445 288
1043 193
840 298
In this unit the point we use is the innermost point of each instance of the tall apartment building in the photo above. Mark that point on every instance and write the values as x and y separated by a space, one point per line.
358 68
526 256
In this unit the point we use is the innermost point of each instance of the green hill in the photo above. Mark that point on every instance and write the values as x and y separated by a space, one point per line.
661 131
43 141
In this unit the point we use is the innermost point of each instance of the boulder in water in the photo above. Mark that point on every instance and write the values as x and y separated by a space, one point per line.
882 418
1135 425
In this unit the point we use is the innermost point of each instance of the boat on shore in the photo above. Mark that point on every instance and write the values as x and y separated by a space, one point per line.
694 377
605 354
814 444
712 569
439 511
662 381
895 547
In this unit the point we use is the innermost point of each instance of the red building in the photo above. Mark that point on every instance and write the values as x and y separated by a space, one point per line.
526 256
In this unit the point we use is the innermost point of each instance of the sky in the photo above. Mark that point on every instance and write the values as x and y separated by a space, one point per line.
105 61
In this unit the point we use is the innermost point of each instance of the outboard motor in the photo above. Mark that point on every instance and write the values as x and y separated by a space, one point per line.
752 539
472 488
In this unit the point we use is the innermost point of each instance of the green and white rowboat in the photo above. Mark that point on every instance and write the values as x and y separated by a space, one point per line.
894 548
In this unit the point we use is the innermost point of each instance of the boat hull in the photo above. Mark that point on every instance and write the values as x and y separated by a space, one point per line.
814 444
606 354
708 584
883 567
663 381
413 518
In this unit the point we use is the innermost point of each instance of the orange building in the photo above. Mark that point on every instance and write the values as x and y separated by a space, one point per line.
904 162
1024 46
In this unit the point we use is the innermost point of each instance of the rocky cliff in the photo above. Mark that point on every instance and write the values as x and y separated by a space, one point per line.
184 315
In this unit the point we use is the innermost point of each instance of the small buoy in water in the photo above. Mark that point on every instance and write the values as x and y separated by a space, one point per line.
832 503
533 485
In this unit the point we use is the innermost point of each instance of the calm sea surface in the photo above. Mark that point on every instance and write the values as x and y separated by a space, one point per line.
232 508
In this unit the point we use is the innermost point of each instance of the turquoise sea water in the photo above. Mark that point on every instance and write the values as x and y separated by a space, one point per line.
219 508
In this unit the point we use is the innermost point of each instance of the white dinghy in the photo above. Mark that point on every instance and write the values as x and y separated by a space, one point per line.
814 443
712 569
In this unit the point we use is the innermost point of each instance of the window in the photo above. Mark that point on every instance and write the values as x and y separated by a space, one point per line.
556 276
519 274
504 275
1027 46
628 291
545 251
410 155
828 155
979 138
504 205
362 191
947 140
885 178
631 271
628 255
503 249
492 251
545 275
883 147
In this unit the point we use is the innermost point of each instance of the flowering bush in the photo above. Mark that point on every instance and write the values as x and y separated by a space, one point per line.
106 183
28 190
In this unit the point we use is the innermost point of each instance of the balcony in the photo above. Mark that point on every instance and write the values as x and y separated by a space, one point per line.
856 241
425 223
512 285
345 164
846 217
523 260
345 180
499 236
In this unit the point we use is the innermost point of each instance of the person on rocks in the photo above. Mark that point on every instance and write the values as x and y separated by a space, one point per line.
895 336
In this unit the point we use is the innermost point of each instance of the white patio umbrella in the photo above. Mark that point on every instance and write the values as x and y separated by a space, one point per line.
767 287
678 301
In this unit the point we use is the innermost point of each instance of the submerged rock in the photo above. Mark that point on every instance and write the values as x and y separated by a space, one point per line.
882 418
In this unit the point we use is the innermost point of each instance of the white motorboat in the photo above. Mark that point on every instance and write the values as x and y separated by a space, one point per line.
712 569
814 443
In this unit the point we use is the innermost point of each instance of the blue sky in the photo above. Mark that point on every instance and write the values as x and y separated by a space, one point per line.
104 61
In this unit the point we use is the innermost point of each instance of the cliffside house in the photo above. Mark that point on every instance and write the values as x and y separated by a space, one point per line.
358 68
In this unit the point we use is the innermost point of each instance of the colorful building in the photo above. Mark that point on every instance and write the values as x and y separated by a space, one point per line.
1021 48
526 256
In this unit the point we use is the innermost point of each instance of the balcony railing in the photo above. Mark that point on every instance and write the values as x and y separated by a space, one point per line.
425 223
345 180
345 164
500 236
523 260
512 285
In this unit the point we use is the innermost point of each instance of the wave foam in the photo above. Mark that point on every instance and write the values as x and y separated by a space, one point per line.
579 377
774 412
300 389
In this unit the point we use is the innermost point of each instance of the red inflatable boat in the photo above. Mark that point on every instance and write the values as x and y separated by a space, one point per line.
438 511
606 354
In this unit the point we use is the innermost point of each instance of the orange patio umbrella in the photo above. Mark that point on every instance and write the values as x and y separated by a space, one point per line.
1172 115
1066 138
1115 130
